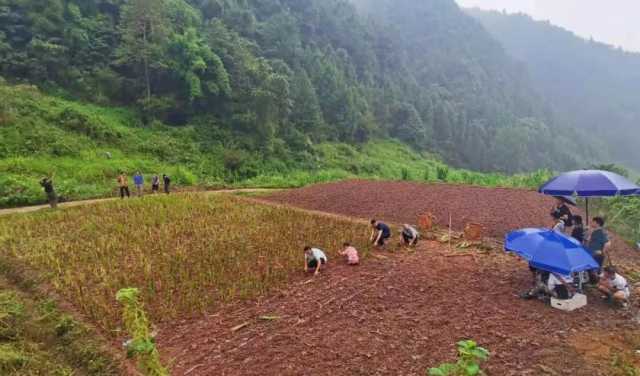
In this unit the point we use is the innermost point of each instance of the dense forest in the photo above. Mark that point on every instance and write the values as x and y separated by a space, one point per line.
589 85
269 79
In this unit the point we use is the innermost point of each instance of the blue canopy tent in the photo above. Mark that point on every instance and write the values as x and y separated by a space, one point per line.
589 183
550 251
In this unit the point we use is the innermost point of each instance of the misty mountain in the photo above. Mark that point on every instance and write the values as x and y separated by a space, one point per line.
266 80
589 85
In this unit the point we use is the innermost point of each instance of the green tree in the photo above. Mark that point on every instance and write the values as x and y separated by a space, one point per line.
144 34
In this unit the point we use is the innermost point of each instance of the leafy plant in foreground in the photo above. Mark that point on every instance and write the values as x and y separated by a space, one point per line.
142 344
470 355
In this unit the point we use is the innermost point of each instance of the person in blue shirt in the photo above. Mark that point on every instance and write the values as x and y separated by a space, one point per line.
380 233
314 258
138 180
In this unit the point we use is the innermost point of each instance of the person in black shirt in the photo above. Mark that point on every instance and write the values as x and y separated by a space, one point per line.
380 233
561 211
167 183
578 231
52 197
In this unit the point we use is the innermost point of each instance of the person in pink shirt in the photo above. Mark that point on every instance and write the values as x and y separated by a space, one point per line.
351 254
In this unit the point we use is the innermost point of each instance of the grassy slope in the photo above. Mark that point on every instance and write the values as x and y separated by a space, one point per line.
37 338
86 145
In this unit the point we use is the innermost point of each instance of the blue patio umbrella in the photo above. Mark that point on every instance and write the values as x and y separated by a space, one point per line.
550 250
589 183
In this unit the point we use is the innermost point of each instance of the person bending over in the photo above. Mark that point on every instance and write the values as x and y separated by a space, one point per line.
314 258
550 285
410 235
350 253
380 233
614 287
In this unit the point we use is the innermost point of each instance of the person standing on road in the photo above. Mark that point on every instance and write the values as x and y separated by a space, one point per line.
138 180
52 197
155 184
314 258
123 183
167 183
351 254
410 235
380 233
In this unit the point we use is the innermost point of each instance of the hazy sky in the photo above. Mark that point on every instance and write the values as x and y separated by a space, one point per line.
614 22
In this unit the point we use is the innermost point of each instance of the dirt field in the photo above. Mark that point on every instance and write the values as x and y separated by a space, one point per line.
400 313
394 316
498 210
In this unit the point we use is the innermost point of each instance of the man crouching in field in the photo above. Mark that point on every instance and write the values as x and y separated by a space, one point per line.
314 258
380 233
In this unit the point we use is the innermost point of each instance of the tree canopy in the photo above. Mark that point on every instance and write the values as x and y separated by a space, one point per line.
273 77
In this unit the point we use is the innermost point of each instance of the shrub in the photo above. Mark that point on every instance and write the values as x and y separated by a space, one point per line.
11 312
142 345
470 355
11 359
443 173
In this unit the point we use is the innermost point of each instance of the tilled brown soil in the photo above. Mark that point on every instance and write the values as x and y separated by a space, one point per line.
498 210
398 314
395 316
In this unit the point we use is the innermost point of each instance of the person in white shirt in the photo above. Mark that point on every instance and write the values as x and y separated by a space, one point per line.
559 286
560 225
410 235
314 258
615 287
550 284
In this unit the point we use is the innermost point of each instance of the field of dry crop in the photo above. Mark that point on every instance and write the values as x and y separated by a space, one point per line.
186 253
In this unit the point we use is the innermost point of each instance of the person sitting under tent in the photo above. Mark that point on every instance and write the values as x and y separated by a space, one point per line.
614 287
410 235
550 285
314 258
380 233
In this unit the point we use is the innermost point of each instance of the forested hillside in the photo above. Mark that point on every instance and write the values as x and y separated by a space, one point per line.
276 76
589 85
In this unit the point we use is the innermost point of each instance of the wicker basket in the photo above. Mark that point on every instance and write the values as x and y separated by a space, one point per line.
473 231
426 221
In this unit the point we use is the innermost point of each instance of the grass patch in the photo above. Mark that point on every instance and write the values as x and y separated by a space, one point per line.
185 253
36 338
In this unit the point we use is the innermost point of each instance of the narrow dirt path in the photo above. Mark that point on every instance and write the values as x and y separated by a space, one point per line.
70 204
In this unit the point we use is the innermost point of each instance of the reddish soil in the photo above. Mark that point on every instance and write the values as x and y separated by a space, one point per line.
395 316
498 210
398 314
